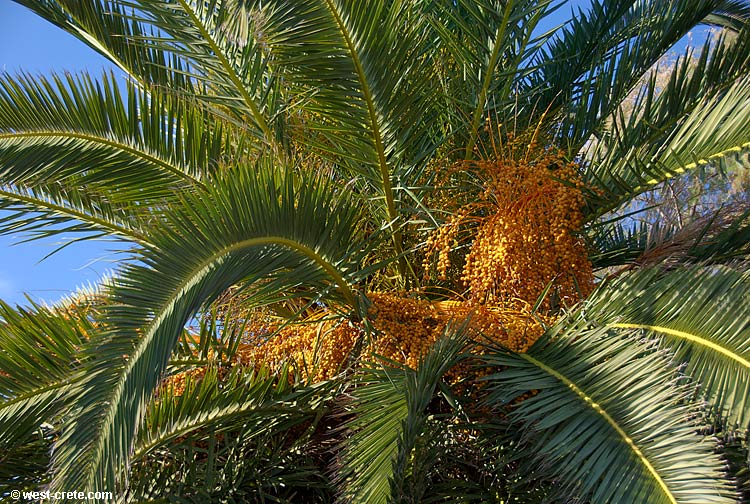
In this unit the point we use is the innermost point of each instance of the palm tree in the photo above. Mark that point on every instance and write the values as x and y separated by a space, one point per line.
376 252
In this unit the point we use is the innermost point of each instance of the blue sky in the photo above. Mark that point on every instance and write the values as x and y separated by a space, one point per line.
30 44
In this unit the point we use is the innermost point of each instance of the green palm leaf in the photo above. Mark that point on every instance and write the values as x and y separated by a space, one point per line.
103 26
38 371
731 14
698 313
94 134
241 413
258 400
179 46
48 211
236 432
609 420
714 130
88 157
275 230
594 63
489 43
288 155
674 130
390 420
383 43
24 466
350 85
216 41
615 244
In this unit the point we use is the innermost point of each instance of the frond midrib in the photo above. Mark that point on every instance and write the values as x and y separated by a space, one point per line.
84 217
611 421
694 338
207 418
30 394
367 96
109 143
701 162
236 80
196 275
680 170
487 80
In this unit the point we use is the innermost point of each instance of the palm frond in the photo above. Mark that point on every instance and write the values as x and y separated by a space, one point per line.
614 243
103 26
721 236
287 156
674 130
38 368
384 41
23 466
48 211
347 96
232 415
607 418
390 412
236 467
595 62
700 315
488 43
39 372
712 131
730 14
260 401
93 134
217 41
257 225
88 157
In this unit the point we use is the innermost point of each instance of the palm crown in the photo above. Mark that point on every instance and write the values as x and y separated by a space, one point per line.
374 254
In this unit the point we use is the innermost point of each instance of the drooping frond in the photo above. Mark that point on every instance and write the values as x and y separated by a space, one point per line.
104 26
223 403
607 418
180 47
89 157
48 211
285 234
75 130
698 313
